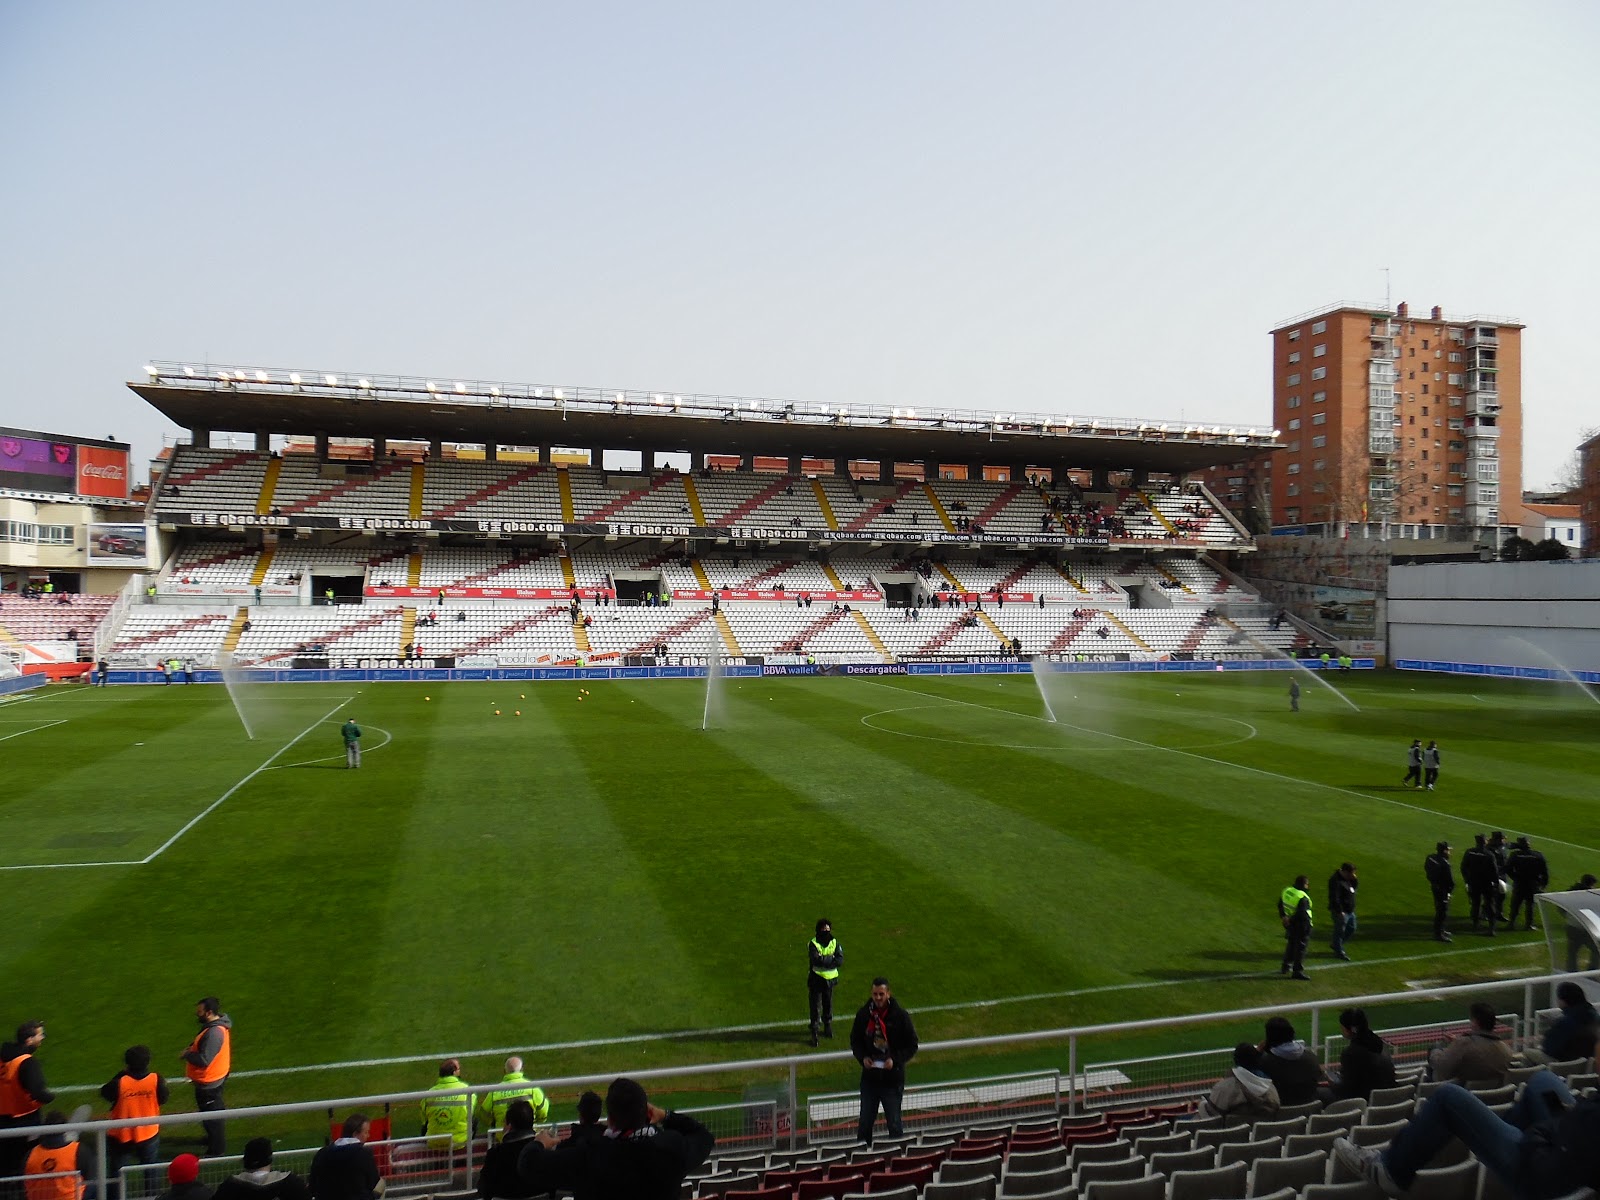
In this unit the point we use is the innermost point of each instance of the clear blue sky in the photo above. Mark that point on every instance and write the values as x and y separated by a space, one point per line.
1062 207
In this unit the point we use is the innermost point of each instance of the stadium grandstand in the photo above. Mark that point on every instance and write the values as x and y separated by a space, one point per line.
383 521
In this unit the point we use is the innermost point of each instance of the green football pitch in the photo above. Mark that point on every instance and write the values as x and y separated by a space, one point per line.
538 865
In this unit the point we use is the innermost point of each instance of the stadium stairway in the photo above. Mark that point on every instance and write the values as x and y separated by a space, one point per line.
1168 575
414 570
833 577
729 642
230 643
419 475
872 635
692 494
408 629
269 486
566 562
938 507
986 619
1134 637
793 645
1070 578
263 565
822 503
951 576
1158 514
700 575
580 636
564 484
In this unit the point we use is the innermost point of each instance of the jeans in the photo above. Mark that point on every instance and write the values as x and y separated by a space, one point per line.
1453 1111
145 1153
873 1093
1342 923
208 1098
821 995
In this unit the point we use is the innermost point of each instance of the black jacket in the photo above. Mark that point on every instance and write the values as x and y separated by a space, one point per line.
344 1170
1364 1065
499 1176
1527 869
1341 894
30 1076
277 1185
1478 871
902 1039
648 1164
1441 877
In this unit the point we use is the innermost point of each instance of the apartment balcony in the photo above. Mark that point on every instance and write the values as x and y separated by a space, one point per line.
1483 404
1489 338
1380 445
1383 372
1481 431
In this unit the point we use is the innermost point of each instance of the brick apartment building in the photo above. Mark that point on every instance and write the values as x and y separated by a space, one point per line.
1589 495
1397 425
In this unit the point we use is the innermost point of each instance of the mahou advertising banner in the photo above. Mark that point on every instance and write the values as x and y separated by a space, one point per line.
102 472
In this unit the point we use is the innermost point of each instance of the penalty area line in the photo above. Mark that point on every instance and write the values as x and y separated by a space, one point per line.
222 799
32 729
728 1030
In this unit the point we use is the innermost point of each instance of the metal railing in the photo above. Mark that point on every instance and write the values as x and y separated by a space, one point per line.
772 1119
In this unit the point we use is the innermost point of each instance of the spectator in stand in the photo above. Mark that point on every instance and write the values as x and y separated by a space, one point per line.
1245 1091
1573 1033
646 1152
55 1155
1477 1056
1287 1062
1367 1061
183 1180
499 1175
1545 1146
588 1126
135 1091
258 1181
345 1169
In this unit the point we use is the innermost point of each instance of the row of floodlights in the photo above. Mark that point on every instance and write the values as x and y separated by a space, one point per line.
661 400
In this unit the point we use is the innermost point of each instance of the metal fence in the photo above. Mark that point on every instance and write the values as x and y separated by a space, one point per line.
770 1114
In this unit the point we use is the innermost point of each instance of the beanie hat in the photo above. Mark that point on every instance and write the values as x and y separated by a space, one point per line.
257 1153
183 1169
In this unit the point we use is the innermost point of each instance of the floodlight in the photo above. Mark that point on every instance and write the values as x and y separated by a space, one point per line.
294 378
333 380
494 391
189 371
151 371
261 376
431 388
223 375
461 387
559 395
366 383
1275 433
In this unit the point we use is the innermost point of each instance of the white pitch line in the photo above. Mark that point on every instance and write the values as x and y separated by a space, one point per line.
220 800
725 1030
34 729
1220 762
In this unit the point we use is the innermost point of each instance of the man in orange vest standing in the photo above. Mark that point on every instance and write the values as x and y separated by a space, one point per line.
22 1091
207 1062
53 1170
136 1091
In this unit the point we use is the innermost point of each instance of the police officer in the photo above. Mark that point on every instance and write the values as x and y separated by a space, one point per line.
1481 879
1442 881
447 1120
826 956
514 1086
1530 875
1294 909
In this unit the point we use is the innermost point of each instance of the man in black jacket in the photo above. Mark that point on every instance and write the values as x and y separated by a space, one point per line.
1530 875
345 1169
645 1154
499 1176
1442 880
884 1040
1342 906
1480 877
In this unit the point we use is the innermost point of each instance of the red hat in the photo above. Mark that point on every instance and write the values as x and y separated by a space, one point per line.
183 1169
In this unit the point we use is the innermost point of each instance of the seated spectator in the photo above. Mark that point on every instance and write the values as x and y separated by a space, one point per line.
645 1154
183 1178
258 1181
1367 1061
1545 1146
1573 1034
1289 1064
1477 1056
344 1169
499 1174
587 1127
1245 1090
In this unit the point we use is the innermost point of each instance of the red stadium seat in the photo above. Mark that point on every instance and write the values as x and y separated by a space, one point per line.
888 1181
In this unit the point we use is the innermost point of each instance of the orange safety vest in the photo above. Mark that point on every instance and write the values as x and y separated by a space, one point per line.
216 1070
50 1160
14 1099
135 1098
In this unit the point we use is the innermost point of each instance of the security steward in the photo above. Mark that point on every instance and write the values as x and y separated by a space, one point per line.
207 1062
514 1086
447 1120
826 957
1294 910
22 1092
54 1157
136 1091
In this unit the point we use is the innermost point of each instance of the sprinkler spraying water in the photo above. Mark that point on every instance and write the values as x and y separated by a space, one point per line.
1540 652
714 681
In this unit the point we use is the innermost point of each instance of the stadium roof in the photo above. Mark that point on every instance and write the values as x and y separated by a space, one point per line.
342 404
